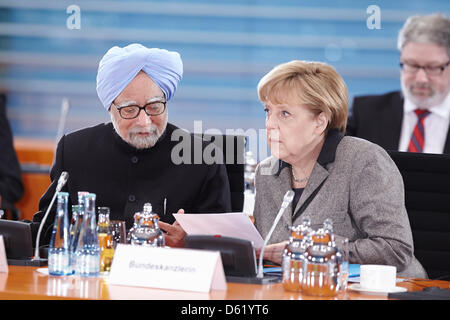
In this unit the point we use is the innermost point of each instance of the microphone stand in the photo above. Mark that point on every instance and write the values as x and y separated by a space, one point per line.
288 197
65 106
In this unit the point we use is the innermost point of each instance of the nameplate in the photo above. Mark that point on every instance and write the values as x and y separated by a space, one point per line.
167 268
3 259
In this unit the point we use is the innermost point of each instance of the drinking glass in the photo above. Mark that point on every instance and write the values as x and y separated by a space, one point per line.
118 232
342 245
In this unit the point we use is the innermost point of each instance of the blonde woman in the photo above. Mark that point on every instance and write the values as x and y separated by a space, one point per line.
352 181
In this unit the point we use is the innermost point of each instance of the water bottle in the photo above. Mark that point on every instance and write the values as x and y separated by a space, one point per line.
76 209
77 218
58 253
87 253
73 221
249 172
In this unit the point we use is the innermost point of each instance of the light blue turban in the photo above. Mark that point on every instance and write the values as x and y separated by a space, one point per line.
120 65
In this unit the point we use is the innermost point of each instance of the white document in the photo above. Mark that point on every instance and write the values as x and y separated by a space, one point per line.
3 259
234 225
167 268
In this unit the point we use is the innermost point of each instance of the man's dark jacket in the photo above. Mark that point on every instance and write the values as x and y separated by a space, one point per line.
124 178
378 118
11 185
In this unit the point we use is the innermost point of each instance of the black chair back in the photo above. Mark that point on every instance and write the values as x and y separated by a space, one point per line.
233 148
427 199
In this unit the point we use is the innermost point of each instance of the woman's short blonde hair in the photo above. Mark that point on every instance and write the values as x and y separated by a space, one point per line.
315 85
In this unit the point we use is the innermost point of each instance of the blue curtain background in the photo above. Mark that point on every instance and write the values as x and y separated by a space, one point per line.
226 47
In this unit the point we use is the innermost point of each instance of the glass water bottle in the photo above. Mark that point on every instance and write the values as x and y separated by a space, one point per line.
78 212
88 250
77 218
58 253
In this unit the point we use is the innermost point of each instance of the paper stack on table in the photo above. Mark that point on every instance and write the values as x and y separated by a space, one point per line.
234 224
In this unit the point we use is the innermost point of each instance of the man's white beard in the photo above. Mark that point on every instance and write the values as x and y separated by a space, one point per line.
135 140
434 99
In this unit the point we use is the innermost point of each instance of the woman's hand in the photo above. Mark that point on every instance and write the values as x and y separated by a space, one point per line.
273 252
174 236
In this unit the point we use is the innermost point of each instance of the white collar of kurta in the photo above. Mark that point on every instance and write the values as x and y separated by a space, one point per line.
442 110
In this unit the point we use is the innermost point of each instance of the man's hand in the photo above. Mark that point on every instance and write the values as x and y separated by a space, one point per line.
174 236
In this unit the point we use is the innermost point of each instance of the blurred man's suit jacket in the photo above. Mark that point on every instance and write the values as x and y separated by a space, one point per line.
11 185
378 118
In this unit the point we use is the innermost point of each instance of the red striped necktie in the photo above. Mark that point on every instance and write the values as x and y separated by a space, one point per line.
418 136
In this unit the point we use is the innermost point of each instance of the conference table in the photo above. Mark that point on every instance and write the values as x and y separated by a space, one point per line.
33 283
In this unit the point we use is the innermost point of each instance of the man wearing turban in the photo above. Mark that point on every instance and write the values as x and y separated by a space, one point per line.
127 162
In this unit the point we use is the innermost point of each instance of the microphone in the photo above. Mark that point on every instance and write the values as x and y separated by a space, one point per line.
61 182
65 106
288 197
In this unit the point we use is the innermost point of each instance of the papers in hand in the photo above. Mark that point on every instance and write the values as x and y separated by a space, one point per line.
234 224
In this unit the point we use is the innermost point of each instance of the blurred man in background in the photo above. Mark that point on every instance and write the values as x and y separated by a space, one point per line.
11 185
128 162
417 118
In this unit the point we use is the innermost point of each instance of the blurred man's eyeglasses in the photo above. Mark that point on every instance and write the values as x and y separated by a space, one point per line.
132 111
429 70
